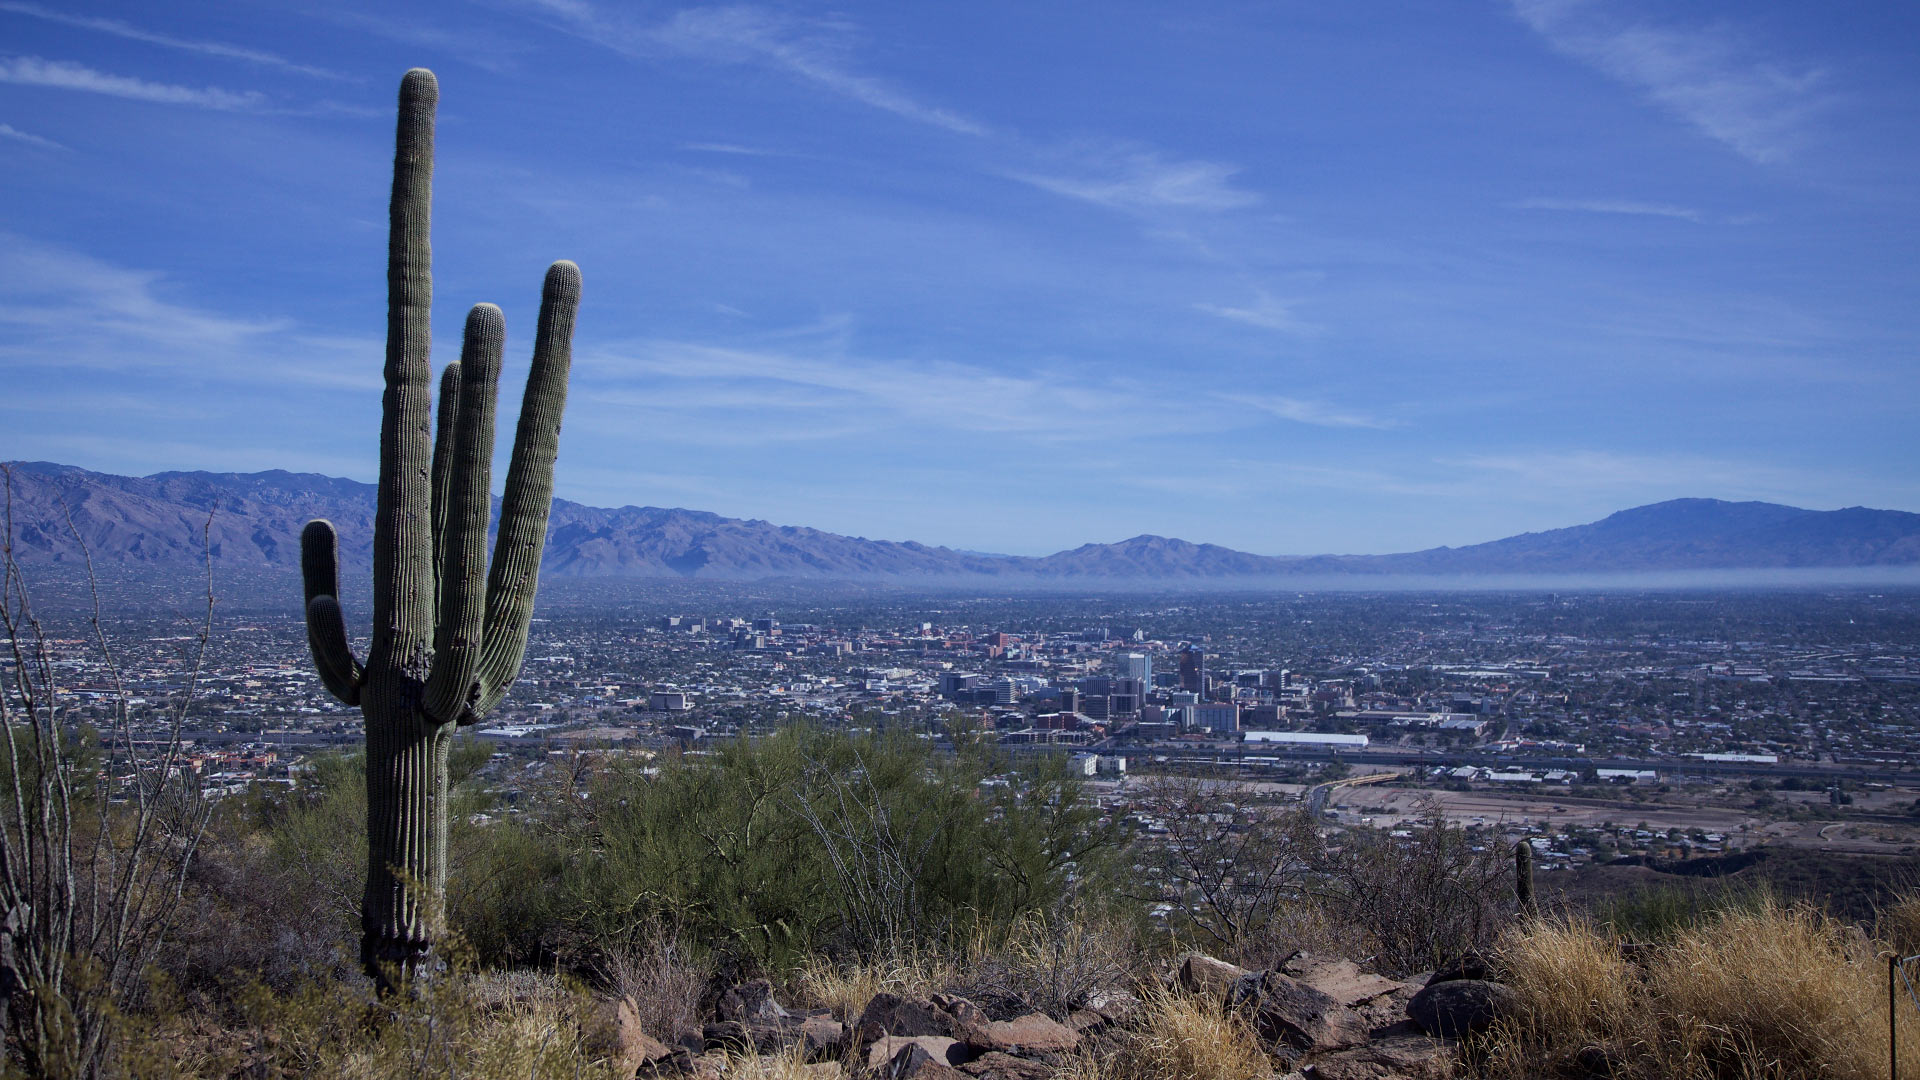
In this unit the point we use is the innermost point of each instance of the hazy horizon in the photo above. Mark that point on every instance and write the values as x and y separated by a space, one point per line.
1298 280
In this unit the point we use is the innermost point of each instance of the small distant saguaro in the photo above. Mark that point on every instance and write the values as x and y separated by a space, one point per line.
444 650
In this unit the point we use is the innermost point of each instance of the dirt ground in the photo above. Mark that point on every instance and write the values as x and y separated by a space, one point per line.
1540 810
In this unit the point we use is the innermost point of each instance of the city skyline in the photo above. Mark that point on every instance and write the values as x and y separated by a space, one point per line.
1010 281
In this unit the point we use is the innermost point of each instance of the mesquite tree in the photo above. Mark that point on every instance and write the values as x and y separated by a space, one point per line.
443 652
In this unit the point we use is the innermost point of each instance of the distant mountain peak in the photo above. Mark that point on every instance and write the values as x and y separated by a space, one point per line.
257 517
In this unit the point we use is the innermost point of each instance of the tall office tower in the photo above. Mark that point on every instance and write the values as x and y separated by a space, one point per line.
1193 670
1140 666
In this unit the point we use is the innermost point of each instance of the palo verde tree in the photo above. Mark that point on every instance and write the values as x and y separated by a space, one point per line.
443 653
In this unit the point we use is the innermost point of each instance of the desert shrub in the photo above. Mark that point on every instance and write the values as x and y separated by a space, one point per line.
657 973
1229 866
1424 899
777 848
1051 962
1660 911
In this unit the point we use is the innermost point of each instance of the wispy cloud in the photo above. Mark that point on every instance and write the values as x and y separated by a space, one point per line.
1266 312
1652 476
1613 206
1126 176
151 37
63 310
1302 411
8 131
66 75
1120 175
1709 76
803 389
727 148
814 51
811 50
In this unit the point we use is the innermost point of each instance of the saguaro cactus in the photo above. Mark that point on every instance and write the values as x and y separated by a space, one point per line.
443 653
1523 877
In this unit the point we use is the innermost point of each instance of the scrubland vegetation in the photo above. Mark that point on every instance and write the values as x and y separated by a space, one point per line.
843 867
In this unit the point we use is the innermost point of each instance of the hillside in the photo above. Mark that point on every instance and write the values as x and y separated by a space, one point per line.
256 520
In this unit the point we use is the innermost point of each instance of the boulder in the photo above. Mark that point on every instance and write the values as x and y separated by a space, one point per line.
913 1060
941 1049
995 1065
1473 965
1389 1008
1459 1006
1116 1005
824 1036
1033 1032
1199 973
1342 980
892 1014
1406 1057
750 1003
611 1029
1286 1011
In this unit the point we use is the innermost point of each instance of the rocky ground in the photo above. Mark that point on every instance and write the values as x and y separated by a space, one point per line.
1316 1018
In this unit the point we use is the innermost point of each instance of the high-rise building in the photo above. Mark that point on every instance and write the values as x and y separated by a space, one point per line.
1193 670
1140 666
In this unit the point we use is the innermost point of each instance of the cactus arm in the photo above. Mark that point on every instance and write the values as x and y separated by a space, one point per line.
402 525
463 569
326 626
446 412
515 573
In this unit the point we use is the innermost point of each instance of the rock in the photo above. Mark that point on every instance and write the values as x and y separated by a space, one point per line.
995 1065
891 1014
611 1029
750 1003
1389 1008
824 1037
1471 966
1407 1057
1284 1010
1341 980
1458 1006
1030 1033
912 1060
1202 974
1117 1005
941 1049
681 1063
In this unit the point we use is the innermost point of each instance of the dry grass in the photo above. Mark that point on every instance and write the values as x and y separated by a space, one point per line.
847 987
1775 991
788 1065
521 1026
1050 964
1899 924
1181 1037
662 981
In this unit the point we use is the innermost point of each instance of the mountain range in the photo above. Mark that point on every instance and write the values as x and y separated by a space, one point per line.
254 520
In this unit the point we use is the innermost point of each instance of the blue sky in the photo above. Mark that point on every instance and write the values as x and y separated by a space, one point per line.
1289 277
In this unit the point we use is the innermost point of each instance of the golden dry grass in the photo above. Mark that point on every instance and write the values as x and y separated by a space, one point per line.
847 987
1777 992
1181 1036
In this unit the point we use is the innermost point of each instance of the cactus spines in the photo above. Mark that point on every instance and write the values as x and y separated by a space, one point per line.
1523 877
448 633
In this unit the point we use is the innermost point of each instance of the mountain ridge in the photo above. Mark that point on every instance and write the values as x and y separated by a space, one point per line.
254 519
